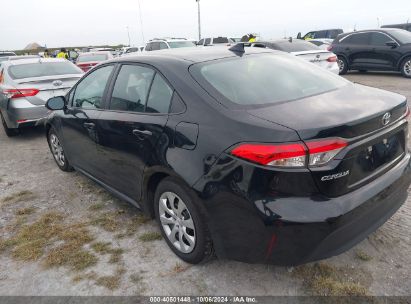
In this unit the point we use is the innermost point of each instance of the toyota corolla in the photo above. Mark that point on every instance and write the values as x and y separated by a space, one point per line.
248 155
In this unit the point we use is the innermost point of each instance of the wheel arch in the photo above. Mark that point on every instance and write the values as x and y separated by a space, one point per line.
401 60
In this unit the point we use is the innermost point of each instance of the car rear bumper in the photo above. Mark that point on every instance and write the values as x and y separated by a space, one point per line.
259 228
23 114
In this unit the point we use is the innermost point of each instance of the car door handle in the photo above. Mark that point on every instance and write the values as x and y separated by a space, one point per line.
142 133
89 125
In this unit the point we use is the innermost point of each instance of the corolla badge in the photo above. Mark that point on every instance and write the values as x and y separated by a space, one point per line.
57 83
386 119
335 176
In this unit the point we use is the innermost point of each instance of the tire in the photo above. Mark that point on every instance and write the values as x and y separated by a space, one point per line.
57 151
406 67
342 65
195 245
9 131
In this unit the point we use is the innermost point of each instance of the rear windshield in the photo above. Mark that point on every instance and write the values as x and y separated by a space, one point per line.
96 57
181 44
42 69
402 36
264 79
294 46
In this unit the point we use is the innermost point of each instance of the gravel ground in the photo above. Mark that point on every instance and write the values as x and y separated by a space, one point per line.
138 262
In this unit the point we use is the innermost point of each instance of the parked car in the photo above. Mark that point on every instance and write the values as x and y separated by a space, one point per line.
304 50
86 61
130 50
26 85
258 158
322 34
403 26
5 55
15 57
321 43
168 43
215 40
378 50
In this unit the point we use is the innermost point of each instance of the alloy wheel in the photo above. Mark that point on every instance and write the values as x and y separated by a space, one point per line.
57 150
177 222
340 65
407 68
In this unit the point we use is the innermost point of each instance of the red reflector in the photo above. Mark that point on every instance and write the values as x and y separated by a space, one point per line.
325 145
332 59
265 154
407 113
21 120
14 93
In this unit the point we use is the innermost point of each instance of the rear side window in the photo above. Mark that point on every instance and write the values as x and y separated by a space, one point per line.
42 69
250 80
96 57
207 41
357 39
89 92
220 40
160 96
320 35
131 88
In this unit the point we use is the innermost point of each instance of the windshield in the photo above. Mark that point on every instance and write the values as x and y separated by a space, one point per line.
42 69
264 79
402 36
88 58
181 44
294 46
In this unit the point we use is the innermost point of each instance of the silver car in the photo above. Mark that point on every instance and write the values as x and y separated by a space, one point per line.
26 85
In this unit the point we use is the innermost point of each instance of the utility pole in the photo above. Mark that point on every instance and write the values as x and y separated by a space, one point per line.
141 22
199 20
128 33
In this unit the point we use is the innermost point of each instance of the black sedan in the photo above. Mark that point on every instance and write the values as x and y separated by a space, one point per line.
253 156
377 50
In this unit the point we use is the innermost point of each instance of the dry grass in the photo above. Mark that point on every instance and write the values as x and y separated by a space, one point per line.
26 211
325 280
150 236
31 241
96 207
111 282
85 276
363 256
21 196
105 248
108 221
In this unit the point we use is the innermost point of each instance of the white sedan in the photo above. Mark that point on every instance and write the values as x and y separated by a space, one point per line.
304 50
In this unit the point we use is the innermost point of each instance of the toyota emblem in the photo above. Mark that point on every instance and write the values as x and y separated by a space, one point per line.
57 83
386 119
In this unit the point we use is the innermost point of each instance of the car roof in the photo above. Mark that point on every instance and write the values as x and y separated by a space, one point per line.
33 60
192 55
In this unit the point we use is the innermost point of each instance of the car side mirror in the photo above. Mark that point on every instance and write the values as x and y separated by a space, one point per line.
392 44
56 103
299 35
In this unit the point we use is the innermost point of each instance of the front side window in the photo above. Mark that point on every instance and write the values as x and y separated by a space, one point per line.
89 92
160 96
163 46
201 42
402 36
131 88
379 39
250 81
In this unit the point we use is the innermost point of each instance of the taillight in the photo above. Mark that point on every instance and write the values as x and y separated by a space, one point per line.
294 155
407 113
18 93
330 47
321 152
332 59
287 155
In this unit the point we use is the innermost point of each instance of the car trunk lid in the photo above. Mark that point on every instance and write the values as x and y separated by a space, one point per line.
354 113
320 58
48 87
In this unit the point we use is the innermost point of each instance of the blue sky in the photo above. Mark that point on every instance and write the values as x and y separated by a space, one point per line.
93 22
